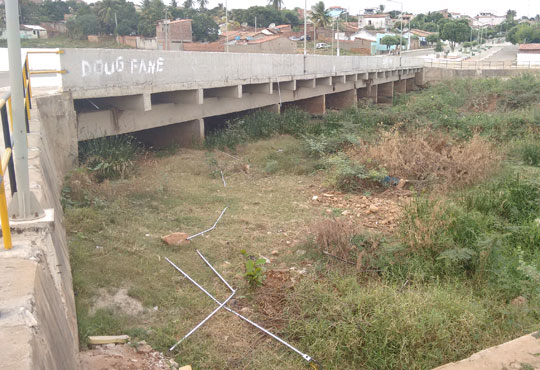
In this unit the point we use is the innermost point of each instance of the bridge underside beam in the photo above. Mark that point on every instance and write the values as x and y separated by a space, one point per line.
369 92
400 87
341 100
315 105
385 93
183 133
224 92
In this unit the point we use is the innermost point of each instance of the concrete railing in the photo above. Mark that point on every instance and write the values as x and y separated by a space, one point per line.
101 69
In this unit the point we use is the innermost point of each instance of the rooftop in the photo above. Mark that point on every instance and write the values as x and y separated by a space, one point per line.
529 47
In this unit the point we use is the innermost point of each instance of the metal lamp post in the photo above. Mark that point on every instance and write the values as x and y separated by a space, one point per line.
24 205
401 20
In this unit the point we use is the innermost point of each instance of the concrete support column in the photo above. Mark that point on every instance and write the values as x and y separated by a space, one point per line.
410 85
385 93
185 134
400 87
419 78
369 92
341 100
315 105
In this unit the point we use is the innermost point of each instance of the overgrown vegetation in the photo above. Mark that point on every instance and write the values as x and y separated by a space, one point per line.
460 273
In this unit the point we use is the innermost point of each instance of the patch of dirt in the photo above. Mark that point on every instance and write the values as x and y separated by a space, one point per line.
270 297
119 301
125 357
381 213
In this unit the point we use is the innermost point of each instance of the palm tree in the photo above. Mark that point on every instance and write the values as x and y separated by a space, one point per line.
319 15
510 14
381 9
202 4
188 4
106 10
278 4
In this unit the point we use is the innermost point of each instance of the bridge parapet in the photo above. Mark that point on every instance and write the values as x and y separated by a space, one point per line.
113 72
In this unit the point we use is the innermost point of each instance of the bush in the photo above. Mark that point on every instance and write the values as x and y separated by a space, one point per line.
348 175
529 152
109 157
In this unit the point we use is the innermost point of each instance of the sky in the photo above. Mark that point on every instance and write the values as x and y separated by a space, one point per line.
469 7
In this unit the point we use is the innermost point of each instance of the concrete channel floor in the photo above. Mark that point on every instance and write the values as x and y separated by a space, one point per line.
522 353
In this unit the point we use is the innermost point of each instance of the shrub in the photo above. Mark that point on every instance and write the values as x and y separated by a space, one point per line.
429 157
348 175
109 157
529 152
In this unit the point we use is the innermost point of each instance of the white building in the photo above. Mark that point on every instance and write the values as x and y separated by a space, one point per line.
377 21
28 31
487 19
528 55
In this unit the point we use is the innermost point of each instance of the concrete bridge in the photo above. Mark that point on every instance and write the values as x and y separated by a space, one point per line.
122 91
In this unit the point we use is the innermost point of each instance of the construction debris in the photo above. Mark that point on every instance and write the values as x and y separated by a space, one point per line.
106 339
210 229
176 239
306 357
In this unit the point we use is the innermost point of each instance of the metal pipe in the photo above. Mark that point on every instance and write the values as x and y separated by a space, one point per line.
210 229
304 356
205 320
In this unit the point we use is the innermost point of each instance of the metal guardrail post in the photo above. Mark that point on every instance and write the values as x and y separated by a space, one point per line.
4 218
24 205
7 144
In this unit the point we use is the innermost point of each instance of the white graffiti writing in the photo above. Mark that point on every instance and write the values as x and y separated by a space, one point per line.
136 66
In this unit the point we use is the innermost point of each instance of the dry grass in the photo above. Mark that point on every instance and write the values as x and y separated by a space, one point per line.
430 158
334 236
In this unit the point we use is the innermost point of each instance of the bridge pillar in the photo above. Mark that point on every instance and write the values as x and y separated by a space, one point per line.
385 93
341 100
185 134
419 78
315 105
400 87
368 92
410 85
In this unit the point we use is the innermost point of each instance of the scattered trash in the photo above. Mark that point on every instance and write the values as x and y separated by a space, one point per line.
176 239
106 339
306 357
223 179
210 229
99 247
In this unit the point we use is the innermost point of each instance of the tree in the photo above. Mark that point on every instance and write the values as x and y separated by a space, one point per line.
319 15
524 33
188 4
510 15
204 28
432 38
455 31
152 11
381 9
390 40
277 4
83 25
203 4
105 11
439 46
394 14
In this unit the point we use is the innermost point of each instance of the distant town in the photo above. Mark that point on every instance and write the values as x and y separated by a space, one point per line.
192 26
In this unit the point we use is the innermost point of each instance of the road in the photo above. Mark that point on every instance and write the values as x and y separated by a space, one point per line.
507 53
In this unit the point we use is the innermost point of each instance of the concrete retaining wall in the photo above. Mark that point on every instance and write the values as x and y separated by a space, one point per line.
38 325
442 74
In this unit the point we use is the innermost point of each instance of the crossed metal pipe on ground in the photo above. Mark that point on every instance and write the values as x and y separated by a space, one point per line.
221 305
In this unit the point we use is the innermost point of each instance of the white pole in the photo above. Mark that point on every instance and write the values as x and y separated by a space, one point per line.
24 205
401 38
305 27
226 27
337 33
